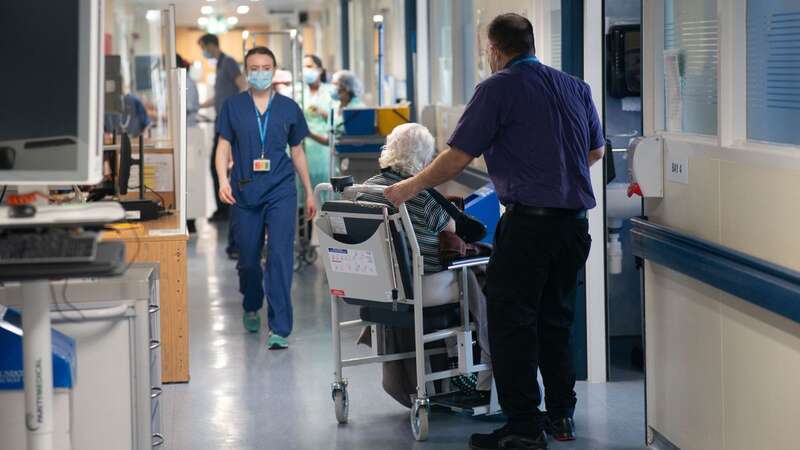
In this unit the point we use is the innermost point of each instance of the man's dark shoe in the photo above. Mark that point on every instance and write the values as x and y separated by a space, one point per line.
561 429
505 439
233 255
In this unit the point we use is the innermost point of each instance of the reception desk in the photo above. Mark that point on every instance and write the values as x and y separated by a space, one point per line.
160 241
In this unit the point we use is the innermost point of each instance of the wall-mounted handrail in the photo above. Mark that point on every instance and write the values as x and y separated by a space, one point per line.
754 280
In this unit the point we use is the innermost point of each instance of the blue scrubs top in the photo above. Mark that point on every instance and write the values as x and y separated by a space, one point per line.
239 126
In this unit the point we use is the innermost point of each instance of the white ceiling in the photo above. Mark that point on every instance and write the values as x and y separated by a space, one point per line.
188 11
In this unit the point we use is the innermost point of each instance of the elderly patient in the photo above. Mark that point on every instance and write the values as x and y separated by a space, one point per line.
409 149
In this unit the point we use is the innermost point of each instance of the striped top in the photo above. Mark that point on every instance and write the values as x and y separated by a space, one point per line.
427 217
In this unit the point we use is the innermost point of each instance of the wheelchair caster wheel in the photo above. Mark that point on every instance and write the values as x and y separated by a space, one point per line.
310 255
341 403
297 264
420 413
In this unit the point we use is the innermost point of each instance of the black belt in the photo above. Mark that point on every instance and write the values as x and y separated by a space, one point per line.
524 210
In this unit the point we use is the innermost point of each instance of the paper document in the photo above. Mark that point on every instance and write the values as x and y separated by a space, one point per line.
356 262
337 225
158 174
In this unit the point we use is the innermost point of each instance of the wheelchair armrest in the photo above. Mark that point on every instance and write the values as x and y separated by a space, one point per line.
468 262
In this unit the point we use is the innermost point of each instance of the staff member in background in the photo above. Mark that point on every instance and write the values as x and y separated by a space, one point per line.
255 128
539 132
317 108
347 91
228 82
200 198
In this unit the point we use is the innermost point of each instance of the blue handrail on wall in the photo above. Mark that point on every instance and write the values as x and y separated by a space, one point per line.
762 283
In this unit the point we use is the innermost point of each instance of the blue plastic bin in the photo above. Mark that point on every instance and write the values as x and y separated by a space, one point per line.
358 148
359 121
484 205
64 356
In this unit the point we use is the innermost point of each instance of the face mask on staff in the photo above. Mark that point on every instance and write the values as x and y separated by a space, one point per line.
310 76
260 79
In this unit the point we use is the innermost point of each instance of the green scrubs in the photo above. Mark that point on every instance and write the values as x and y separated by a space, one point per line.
318 155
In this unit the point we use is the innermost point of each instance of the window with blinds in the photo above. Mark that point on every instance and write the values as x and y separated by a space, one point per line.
691 58
773 71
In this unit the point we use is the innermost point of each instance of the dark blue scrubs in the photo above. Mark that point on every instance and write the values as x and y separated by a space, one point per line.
264 199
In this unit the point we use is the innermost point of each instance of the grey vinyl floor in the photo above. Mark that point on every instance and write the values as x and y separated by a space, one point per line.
242 396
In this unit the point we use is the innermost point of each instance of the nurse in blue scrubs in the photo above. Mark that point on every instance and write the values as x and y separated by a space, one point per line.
255 127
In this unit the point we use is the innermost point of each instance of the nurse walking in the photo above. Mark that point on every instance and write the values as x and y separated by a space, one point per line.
255 128
318 104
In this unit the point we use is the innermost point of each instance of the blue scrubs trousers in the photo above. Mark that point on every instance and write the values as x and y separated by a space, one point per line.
278 216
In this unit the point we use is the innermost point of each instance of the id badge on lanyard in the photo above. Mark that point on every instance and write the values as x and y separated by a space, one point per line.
262 164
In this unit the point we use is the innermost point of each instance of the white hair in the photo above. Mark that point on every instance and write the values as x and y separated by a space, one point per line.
349 82
409 148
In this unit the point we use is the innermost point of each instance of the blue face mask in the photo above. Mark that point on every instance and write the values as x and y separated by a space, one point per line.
207 55
335 95
260 79
310 76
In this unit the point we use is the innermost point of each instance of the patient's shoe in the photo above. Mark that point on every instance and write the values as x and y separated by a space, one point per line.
561 429
277 342
252 321
505 439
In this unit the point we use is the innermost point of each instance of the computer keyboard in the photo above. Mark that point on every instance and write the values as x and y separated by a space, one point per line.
47 248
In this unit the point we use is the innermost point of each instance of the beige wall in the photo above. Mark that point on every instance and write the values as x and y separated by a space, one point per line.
748 200
721 372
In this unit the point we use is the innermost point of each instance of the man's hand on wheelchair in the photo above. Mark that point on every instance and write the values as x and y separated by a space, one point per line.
401 192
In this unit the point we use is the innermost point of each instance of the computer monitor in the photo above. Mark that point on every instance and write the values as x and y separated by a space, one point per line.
126 161
51 92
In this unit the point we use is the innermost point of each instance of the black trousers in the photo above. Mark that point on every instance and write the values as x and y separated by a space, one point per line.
532 276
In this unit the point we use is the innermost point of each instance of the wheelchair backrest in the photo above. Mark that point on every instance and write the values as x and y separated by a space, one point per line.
356 254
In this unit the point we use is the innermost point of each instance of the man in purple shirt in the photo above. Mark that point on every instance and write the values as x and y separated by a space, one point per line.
539 132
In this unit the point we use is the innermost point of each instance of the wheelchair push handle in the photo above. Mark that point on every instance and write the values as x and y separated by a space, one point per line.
354 188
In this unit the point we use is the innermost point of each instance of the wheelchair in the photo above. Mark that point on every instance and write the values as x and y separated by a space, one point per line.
372 260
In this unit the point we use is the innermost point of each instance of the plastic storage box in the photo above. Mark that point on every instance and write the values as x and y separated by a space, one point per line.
12 397
389 117
359 121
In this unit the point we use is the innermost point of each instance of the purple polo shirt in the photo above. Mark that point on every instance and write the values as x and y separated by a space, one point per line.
535 126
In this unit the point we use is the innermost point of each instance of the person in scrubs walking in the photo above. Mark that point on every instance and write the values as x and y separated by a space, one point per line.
255 128
317 108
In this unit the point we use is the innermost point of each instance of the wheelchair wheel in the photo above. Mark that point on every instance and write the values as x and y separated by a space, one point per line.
341 404
297 264
420 414
310 255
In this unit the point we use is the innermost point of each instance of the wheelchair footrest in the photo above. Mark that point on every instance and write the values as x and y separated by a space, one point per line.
461 402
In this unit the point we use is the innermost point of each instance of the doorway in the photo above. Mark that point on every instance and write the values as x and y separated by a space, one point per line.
623 121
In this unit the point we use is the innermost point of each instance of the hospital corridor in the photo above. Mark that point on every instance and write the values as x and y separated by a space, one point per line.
288 394
399 224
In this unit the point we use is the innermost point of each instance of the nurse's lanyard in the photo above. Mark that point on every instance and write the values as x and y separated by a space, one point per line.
525 60
262 128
